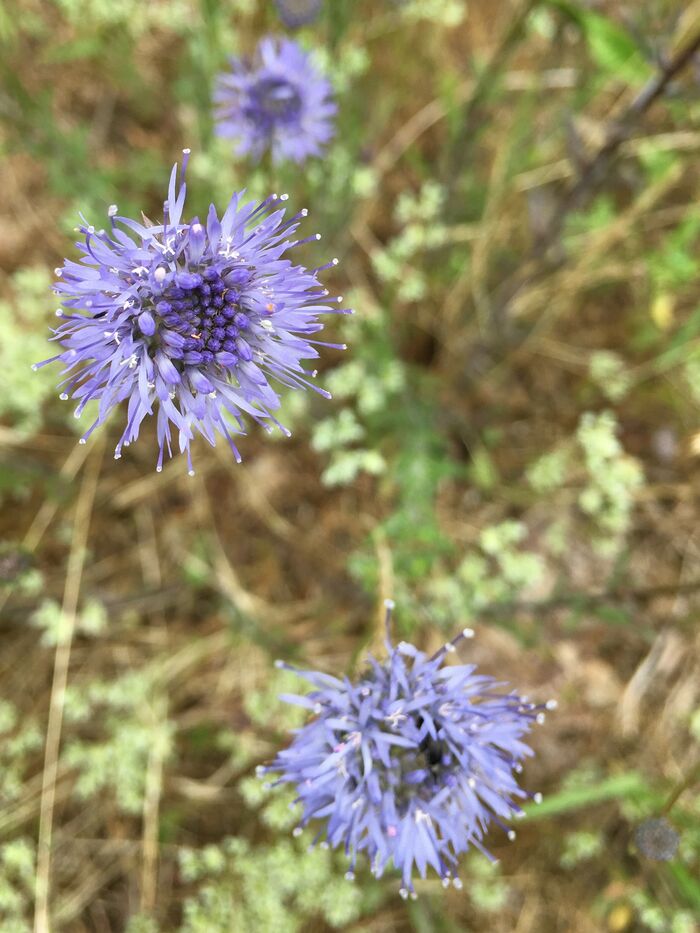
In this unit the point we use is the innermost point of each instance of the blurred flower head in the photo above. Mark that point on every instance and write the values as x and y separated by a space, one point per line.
410 764
657 839
295 13
280 103
14 561
188 321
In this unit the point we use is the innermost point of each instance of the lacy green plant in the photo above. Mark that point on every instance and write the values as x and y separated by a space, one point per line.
605 480
134 727
498 569
22 316
278 886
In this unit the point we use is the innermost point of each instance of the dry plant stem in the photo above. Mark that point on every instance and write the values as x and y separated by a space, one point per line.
460 149
590 178
589 599
71 594
689 781
151 810
594 171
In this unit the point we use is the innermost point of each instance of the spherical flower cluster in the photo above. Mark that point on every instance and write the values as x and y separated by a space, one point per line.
189 320
412 763
295 13
280 103
657 839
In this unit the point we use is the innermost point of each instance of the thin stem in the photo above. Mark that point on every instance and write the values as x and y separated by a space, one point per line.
594 171
582 599
71 595
590 178
692 778
151 810
460 148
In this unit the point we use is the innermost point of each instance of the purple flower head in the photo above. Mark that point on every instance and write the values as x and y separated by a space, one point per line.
281 103
410 764
295 13
189 321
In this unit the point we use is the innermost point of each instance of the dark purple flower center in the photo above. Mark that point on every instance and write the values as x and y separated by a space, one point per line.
206 313
276 100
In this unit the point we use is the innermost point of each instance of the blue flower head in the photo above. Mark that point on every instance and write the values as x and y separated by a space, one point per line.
295 13
189 321
410 764
280 103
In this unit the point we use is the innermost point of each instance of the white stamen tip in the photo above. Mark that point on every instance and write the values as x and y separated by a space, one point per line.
551 704
190 472
318 236
540 718
279 664
63 396
511 834
403 892
284 197
335 260
304 212
59 312
297 831
389 604
458 883
112 210
349 875
449 647
82 441
186 151
467 633
537 798
35 366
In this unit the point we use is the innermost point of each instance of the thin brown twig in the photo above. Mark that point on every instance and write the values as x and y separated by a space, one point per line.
582 599
594 171
151 809
590 177
685 784
69 609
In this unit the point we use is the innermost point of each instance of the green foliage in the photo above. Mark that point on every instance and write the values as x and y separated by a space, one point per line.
497 570
49 617
613 49
606 477
133 728
580 846
20 738
244 889
17 865
23 343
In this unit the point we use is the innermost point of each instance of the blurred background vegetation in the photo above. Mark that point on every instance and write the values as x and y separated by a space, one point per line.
513 445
